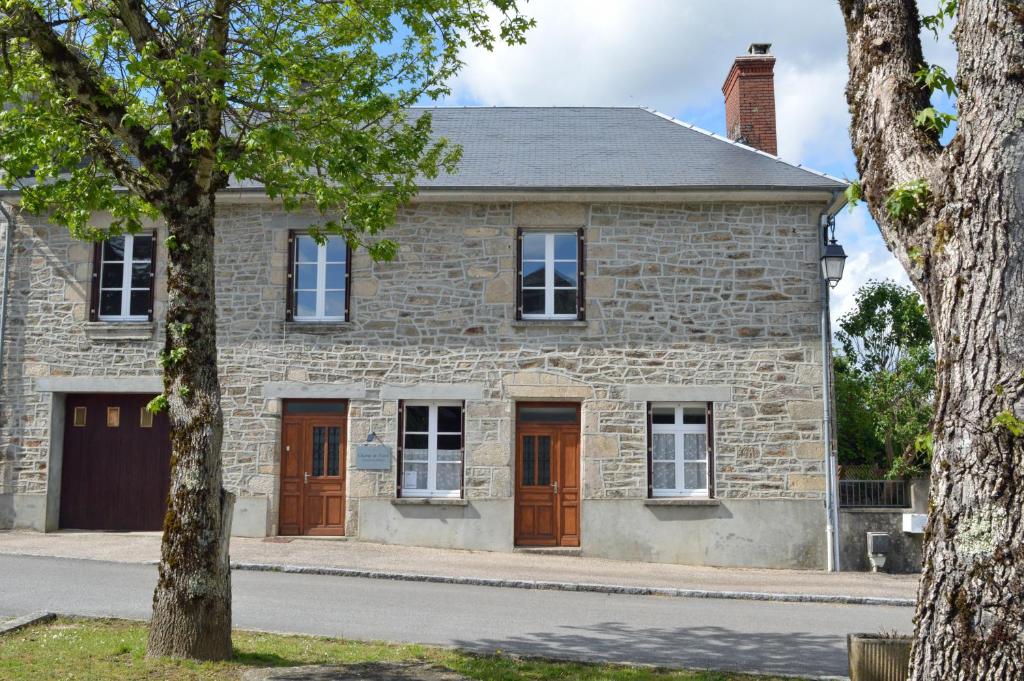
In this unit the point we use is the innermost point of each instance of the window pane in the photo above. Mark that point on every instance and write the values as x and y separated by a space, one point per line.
533 274
140 275
318 450
663 447
533 301
334 303
333 450
565 247
543 460
565 274
335 276
110 303
413 441
663 475
300 407
112 275
142 248
449 476
694 415
695 447
663 415
533 247
306 250
695 475
416 455
336 247
449 455
113 249
416 419
449 442
139 303
305 304
415 475
528 459
565 301
449 419
305 276
547 414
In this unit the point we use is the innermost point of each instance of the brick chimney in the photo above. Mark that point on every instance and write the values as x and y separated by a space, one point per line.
749 91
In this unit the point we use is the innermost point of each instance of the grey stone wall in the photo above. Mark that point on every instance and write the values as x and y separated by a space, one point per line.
691 295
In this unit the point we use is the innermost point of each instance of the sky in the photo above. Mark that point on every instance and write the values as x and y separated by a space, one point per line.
673 55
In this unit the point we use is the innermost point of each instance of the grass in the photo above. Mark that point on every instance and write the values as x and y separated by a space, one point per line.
115 649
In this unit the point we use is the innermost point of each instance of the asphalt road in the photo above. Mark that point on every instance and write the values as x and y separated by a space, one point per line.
784 638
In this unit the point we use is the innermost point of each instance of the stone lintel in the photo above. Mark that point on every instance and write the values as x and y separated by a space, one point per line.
313 391
678 393
556 393
433 391
100 384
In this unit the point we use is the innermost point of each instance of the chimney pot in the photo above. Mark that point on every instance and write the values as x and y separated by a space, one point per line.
749 91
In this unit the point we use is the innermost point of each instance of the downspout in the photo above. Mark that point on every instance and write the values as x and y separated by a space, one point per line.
831 464
8 229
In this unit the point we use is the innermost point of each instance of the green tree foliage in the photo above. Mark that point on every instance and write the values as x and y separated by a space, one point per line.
885 373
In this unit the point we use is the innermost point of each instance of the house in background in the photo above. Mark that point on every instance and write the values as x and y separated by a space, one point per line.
602 334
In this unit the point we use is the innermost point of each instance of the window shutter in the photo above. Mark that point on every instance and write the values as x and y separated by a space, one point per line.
650 451
711 448
519 273
401 445
462 480
152 276
348 281
289 305
94 285
581 283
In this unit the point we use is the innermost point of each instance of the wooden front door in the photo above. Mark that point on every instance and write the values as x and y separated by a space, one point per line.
312 474
547 476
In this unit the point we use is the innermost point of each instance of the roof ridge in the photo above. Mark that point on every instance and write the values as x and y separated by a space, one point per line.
720 138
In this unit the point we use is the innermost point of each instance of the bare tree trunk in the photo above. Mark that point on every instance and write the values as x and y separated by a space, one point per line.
192 601
964 251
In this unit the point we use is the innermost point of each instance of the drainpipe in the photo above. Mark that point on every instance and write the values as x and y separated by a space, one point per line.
831 472
8 224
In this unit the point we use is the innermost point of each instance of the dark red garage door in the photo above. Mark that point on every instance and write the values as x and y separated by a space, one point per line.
116 464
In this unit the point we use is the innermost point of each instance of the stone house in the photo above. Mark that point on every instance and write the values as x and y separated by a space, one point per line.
602 334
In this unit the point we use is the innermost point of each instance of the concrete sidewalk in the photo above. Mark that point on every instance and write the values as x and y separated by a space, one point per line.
485 567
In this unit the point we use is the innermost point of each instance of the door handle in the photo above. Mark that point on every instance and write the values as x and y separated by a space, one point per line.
556 487
305 478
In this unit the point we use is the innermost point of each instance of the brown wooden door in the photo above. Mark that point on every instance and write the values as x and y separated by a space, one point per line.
547 484
312 475
116 468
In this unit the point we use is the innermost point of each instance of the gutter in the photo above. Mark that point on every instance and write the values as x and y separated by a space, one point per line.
8 224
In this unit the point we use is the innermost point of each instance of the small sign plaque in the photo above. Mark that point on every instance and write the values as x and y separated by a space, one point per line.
373 457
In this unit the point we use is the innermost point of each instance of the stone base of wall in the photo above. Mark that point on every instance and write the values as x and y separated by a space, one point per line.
758 533
23 512
482 525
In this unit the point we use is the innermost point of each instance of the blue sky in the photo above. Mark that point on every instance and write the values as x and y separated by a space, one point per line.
673 55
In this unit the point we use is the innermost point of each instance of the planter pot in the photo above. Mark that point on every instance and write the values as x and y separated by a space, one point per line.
878 658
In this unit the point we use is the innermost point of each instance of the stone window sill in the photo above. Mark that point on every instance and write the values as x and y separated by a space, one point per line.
548 323
428 501
119 331
317 327
683 502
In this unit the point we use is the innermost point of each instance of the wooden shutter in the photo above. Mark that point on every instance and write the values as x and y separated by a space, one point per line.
289 305
519 273
401 445
152 275
94 285
348 281
581 263
650 450
711 448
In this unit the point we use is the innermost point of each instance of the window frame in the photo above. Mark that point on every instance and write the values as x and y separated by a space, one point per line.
126 288
431 492
321 281
549 287
679 430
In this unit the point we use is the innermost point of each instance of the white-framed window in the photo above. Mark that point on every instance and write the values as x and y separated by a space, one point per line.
550 275
319 280
125 278
432 447
680 449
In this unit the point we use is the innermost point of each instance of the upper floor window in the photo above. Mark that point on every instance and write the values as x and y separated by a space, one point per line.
122 279
679 449
431 452
550 275
318 279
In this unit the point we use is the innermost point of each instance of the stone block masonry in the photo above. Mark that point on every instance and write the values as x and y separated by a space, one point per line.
716 294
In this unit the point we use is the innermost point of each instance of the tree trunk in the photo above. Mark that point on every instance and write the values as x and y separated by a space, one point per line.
964 251
192 601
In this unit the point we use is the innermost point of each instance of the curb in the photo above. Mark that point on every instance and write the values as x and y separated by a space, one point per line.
572 586
26 621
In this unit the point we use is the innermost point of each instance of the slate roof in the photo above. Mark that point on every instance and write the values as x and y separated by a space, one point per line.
551 148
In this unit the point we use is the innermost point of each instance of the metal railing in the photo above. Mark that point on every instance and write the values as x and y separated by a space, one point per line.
873 494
